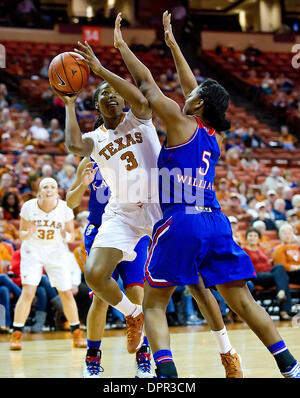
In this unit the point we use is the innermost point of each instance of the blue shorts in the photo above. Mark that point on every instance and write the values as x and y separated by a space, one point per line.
185 245
131 272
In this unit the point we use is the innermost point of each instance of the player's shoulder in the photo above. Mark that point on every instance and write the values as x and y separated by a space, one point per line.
30 203
62 203
130 117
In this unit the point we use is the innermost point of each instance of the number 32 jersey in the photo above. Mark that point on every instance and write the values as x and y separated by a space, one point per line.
127 158
49 225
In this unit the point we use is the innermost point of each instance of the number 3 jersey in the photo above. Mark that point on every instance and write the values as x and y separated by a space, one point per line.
187 171
127 158
49 225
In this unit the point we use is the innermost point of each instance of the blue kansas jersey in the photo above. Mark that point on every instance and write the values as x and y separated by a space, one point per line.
99 197
187 171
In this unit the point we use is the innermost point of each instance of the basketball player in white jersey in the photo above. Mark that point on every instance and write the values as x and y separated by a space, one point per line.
126 148
45 222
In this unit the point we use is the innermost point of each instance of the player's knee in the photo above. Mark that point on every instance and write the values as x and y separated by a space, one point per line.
94 276
27 295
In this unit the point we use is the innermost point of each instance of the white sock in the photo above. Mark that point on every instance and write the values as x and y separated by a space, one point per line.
18 325
127 307
222 340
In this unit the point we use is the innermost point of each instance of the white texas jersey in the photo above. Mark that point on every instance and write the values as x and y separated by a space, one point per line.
127 158
49 225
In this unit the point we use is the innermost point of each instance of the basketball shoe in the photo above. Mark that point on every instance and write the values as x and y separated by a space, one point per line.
232 364
92 366
143 363
16 340
134 333
78 340
294 373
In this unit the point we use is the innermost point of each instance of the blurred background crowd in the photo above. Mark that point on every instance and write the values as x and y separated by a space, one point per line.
257 178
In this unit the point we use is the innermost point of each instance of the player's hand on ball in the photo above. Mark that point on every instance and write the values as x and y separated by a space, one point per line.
169 37
88 174
67 99
118 38
89 57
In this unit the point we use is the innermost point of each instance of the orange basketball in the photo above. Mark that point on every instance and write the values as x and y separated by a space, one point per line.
68 73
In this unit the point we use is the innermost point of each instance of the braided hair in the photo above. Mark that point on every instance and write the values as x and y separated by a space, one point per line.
216 102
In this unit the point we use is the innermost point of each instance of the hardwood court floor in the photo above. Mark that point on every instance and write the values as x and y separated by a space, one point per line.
51 355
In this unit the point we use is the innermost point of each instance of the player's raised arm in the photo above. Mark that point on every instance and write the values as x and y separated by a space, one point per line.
187 79
73 136
131 94
84 177
179 126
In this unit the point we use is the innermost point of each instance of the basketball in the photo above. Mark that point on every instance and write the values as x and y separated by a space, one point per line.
68 73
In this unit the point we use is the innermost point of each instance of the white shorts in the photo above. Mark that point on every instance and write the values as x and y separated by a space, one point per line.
54 260
123 226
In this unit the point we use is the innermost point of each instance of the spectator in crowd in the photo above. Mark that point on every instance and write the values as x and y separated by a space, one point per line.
278 210
253 140
26 13
7 230
23 168
287 140
164 84
11 206
233 208
270 199
38 135
296 204
263 216
288 177
233 156
35 174
274 179
264 241
198 76
251 206
284 84
268 85
179 15
267 275
5 99
8 291
66 180
248 162
222 192
5 167
56 134
242 189
82 220
253 80
238 236
44 69
288 253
